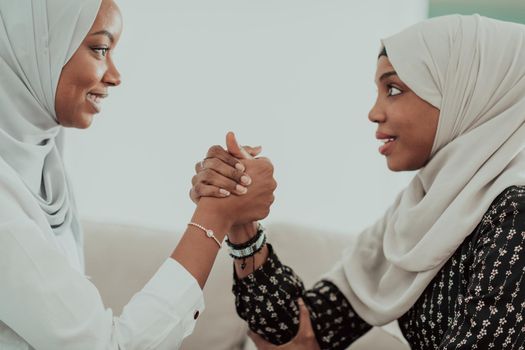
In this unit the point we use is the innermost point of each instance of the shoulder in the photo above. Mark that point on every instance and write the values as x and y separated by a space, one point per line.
510 201
503 224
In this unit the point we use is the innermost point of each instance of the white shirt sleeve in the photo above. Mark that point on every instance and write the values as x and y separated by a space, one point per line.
52 306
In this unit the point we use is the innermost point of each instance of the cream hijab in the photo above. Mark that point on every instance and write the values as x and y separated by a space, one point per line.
37 38
471 68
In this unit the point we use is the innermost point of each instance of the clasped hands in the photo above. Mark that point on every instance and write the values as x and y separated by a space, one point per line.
244 185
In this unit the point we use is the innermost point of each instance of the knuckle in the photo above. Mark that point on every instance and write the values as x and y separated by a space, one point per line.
197 189
214 150
207 175
267 167
212 163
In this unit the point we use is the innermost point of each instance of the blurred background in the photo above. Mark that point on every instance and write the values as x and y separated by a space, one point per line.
295 76
507 10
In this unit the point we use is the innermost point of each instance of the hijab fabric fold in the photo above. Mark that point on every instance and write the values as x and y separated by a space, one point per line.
37 38
471 68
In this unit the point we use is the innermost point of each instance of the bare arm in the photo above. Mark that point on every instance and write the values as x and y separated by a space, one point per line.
197 252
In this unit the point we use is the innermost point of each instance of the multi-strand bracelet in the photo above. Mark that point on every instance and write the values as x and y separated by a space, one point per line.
249 248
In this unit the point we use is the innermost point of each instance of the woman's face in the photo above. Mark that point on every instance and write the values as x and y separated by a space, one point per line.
406 124
86 77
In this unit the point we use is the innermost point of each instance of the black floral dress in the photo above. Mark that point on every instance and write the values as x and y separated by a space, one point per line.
476 301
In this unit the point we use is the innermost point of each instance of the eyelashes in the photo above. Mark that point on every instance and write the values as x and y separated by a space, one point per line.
393 90
101 51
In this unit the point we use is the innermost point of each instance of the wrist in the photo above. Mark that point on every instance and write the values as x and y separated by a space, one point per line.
208 215
242 233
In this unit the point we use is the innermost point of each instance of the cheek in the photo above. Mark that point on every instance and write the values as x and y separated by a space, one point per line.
78 77
84 79
421 133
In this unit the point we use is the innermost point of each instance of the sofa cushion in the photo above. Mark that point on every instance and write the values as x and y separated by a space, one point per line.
120 259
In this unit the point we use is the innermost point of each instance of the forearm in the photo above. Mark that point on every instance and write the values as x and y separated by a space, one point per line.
267 300
197 252
336 324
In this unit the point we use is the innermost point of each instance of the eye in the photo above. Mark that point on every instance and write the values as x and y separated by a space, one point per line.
393 91
101 51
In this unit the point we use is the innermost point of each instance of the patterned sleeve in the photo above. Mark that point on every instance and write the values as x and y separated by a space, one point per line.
267 300
491 313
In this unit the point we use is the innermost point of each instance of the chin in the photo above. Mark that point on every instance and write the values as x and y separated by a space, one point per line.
394 168
397 165
82 122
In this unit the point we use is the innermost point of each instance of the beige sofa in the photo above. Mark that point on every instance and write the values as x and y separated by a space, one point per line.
120 259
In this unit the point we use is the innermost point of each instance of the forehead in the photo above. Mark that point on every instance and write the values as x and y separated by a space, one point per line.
383 66
108 18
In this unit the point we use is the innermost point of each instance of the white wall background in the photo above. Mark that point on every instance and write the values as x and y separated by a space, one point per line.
295 76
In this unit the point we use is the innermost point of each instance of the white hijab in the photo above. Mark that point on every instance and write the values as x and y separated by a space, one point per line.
472 69
37 38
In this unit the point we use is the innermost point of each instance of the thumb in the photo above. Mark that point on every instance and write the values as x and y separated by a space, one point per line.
233 147
305 324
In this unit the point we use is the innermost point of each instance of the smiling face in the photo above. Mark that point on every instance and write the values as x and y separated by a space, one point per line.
85 78
406 124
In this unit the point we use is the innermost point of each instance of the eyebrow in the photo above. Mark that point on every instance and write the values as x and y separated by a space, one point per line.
106 33
387 74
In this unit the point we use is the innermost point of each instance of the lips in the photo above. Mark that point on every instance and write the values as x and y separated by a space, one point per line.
388 142
95 99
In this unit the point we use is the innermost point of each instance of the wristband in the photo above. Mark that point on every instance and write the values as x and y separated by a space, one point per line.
249 248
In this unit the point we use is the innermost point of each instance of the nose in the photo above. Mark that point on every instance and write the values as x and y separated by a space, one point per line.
376 114
112 76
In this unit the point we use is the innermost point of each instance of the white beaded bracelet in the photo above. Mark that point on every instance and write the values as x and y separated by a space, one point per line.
209 233
250 250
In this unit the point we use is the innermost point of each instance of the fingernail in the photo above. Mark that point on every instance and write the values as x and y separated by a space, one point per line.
300 302
224 192
241 189
246 180
240 166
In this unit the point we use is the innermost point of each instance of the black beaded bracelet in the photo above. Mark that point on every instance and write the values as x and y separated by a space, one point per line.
253 251
250 242
251 254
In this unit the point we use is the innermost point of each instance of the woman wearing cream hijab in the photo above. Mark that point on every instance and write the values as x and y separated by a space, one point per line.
56 66
447 259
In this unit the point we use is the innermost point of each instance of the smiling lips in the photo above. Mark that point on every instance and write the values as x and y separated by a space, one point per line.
388 142
95 100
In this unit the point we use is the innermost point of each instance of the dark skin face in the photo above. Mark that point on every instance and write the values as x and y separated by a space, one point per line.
86 77
403 117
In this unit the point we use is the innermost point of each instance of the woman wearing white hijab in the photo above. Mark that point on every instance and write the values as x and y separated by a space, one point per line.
55 68
447 259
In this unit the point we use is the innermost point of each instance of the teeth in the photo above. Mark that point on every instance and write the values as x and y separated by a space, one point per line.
93 98
388 140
